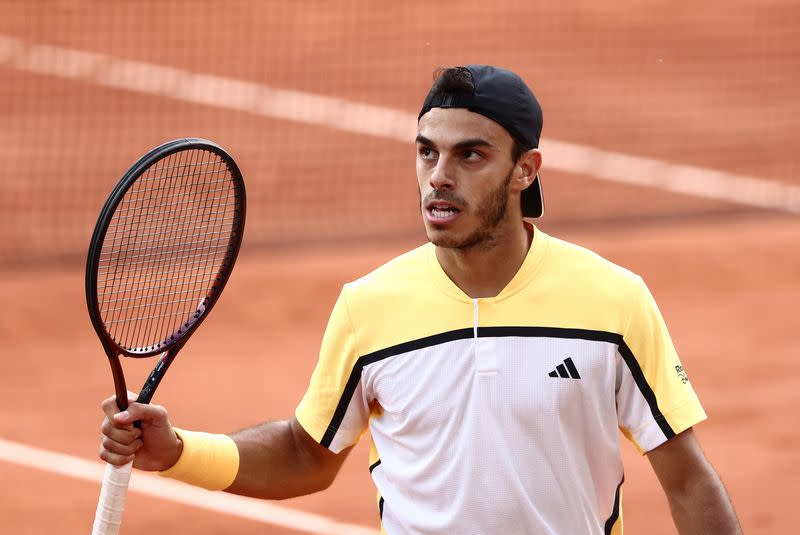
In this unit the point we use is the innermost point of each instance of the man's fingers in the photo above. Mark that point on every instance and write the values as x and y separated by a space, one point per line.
152 414
114 458
110 407
123 435
125 450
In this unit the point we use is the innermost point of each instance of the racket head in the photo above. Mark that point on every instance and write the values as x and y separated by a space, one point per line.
164 247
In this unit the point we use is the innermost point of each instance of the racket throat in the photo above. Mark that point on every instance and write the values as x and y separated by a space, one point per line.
153 380
120 389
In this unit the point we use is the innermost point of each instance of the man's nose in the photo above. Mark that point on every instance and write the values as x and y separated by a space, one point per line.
442 176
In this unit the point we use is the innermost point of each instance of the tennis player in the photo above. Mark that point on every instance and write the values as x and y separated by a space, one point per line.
493 366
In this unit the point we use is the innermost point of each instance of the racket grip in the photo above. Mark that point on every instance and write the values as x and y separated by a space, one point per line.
108 517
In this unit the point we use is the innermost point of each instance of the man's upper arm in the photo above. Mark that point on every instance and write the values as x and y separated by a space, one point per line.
677 460
322 459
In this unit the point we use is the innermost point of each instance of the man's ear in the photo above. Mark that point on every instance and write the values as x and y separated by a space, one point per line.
529 163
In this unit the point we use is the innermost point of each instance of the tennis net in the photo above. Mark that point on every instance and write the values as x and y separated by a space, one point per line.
317 102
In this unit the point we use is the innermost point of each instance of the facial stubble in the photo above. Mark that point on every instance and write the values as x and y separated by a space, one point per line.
492 213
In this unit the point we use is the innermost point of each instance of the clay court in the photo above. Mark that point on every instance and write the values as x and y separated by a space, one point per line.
670 142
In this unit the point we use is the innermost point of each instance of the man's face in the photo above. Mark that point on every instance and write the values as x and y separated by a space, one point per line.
464 169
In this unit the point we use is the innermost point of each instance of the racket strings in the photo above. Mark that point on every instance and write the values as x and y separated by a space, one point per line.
144 206
133 230
165 248
164 167
163 316
190 285
112 302
131 219
189 260
156 248
161 187
132 298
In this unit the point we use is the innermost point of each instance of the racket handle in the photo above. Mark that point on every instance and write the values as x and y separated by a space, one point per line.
108 517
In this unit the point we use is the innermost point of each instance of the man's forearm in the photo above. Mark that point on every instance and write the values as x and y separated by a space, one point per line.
704 507
275 464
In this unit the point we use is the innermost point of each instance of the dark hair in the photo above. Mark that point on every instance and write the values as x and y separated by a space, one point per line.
459 80
453 80
517 150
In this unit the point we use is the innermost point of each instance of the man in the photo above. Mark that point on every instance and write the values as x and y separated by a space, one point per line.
493 366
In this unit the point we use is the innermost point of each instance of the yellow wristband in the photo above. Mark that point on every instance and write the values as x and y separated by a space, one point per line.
208 460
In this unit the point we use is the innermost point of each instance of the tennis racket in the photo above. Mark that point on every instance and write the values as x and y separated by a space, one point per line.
162 251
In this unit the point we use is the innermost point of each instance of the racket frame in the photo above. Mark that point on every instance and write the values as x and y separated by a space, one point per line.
169 347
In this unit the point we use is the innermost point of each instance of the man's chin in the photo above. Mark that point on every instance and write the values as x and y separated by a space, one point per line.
445 239
440 239
450 240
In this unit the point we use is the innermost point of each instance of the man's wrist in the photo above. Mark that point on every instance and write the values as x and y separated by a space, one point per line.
178 451
205 460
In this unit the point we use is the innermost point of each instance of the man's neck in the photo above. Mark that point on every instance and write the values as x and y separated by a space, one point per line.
483 271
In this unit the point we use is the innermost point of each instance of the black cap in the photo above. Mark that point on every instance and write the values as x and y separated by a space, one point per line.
503 97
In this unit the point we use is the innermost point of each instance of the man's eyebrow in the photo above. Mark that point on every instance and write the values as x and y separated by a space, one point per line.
461 145
422 140
472 142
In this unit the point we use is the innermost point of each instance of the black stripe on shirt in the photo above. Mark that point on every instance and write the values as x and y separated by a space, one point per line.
595 336
374 465
399 349
494 332
644 388
615 511
550 332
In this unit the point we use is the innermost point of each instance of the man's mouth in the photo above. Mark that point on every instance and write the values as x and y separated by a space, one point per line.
442 210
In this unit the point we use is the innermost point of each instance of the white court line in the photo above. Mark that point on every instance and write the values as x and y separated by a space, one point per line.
167 489
341 114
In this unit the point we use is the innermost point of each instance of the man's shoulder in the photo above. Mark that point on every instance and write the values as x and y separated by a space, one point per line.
577 261
592 279
584 289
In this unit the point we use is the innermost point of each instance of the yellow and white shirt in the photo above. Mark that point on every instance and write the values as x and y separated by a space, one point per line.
499 415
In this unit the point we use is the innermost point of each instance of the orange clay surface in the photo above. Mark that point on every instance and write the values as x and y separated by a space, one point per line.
710 84
727 289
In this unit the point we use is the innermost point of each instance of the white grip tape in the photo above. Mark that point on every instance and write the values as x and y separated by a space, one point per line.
111 504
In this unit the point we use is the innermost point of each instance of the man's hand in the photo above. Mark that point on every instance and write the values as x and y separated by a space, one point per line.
153 446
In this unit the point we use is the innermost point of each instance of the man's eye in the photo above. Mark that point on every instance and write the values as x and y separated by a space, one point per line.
427 153
472 156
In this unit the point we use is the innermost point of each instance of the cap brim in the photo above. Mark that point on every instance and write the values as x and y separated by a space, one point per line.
532 199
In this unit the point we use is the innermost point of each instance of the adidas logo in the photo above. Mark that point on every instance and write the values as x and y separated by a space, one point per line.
566 370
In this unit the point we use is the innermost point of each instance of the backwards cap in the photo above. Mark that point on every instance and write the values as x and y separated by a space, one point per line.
503 97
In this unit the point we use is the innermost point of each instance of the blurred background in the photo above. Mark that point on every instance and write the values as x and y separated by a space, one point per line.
670 141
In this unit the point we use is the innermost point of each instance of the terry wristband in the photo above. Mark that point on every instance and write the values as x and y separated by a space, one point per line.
208 460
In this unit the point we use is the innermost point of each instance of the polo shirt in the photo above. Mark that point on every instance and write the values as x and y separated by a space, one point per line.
499 415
